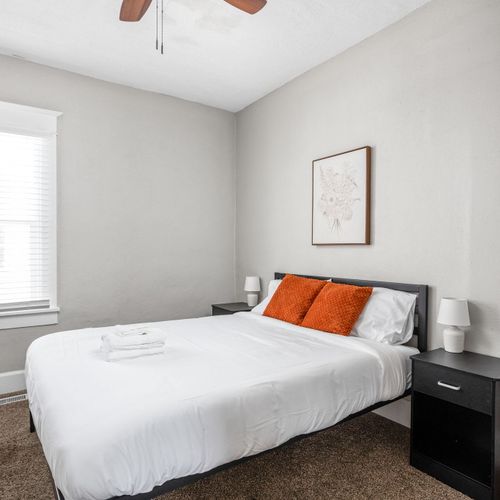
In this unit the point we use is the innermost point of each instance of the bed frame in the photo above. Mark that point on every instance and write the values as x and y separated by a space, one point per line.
420 332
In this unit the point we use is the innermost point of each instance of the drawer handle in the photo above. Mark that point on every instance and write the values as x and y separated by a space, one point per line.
449 386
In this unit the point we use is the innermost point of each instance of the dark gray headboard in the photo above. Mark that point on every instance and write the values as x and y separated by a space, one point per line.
420 291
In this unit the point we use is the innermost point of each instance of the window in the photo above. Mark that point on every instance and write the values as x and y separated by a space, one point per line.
28 294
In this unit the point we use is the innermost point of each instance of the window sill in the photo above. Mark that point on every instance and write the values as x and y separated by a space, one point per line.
23 319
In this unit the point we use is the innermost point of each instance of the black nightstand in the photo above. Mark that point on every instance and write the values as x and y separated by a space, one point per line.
231 308
455 430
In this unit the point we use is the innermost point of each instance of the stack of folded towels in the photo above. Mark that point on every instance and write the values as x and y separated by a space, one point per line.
125 342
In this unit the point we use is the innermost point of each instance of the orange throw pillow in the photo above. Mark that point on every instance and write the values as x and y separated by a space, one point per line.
293 298
337 308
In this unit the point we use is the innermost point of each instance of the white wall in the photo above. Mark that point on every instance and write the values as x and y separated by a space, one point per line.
425 93
146 202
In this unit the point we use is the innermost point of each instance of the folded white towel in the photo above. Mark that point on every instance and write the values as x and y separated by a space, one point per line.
132 338
125 342
119 354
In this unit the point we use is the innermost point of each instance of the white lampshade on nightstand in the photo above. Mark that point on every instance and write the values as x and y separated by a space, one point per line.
252 285
454 313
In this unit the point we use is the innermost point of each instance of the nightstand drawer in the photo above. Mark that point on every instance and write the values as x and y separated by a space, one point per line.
457 387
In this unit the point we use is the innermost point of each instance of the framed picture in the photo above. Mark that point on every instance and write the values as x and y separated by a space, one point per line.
341 198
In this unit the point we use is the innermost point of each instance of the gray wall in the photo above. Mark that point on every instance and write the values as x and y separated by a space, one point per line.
146 202
425 93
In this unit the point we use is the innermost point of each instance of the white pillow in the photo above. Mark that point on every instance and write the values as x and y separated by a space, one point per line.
273 286
388 317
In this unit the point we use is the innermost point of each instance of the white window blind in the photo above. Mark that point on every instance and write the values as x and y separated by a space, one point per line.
27 210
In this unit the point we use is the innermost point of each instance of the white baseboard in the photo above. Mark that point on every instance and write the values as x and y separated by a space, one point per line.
12 382
399 411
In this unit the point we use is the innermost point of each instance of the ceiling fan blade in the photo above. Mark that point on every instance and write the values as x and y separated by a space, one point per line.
249 6
133 10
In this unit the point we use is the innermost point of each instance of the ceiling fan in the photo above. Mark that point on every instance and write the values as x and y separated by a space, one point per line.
133 10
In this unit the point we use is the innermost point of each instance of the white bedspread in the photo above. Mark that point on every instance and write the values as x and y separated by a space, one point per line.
226 387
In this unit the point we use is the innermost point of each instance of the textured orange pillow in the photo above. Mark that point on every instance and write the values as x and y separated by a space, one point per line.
293 298
337 308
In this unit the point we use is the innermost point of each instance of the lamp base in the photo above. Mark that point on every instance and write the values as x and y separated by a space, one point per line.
252 299
453 338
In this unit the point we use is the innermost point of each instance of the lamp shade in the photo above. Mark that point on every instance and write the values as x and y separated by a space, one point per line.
252 284
453 312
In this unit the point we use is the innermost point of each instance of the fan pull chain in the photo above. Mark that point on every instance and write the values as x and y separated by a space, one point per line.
156 24
162 17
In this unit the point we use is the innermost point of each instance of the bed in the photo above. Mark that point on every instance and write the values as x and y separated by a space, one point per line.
227 388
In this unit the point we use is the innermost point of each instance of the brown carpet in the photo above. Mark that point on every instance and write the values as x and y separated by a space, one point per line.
366 457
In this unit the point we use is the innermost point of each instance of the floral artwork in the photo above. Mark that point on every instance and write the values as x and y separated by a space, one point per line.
341 198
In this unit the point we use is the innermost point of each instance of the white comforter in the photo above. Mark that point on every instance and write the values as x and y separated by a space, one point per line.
226 387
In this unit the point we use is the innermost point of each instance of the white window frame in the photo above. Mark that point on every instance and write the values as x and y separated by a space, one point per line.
21 119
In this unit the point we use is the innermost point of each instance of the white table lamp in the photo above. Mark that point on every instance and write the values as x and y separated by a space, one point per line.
252 285
454 313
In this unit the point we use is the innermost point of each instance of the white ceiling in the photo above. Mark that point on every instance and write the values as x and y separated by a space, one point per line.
215 54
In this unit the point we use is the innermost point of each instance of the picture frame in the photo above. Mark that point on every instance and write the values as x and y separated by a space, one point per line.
341 198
